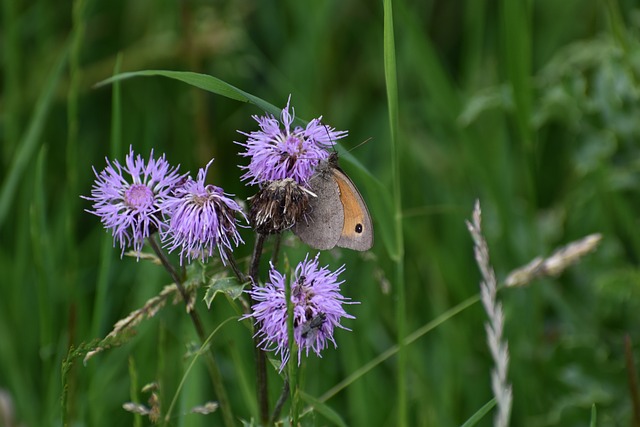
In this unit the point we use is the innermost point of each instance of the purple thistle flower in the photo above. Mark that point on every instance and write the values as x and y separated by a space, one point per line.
127 198
200 218
279 152
317 309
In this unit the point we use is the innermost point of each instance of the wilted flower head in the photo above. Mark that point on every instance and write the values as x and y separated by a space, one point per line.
127 198
278 205
317 309
200 218
279 152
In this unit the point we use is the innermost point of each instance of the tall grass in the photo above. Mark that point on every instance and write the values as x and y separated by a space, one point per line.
530 107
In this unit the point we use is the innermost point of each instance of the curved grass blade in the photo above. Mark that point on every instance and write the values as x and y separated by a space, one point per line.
202 81
323 409
423 330
480 413
203 349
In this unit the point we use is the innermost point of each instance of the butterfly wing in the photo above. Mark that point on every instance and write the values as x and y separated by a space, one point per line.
325 218
357 228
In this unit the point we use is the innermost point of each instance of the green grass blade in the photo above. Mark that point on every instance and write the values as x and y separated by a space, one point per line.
42 250
134 390
29 143
73 122
434 77
245 381
593 416
116 113
106 252
397 250
11 73
323 409
517 48
480 413
423 330
202 81
392 102
204 348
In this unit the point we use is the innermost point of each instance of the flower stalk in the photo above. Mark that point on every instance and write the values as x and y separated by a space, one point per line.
260 356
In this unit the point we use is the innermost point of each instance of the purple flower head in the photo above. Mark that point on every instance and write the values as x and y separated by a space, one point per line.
200 218
127 198
317 309
279 152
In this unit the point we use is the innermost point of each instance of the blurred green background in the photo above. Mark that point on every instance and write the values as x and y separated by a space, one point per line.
531 107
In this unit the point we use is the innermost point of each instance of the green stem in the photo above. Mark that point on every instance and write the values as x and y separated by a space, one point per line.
392 100
281 401
234 266
261 358
292 368
214 372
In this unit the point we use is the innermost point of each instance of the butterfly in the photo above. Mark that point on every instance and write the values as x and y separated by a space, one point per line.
338 215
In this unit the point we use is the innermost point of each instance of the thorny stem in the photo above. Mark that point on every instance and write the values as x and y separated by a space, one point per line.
214 372
261 358
281 401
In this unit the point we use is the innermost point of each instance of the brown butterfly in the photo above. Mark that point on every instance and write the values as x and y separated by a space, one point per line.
338 216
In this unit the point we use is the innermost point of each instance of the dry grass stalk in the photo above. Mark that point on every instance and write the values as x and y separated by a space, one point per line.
124 327
207 408
153 410
555 264
8 410
494 327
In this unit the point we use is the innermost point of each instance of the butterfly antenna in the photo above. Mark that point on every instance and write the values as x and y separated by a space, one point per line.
362 143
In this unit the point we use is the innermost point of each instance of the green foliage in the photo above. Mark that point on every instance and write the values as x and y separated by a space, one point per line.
224 285
531 107
323 409
475 418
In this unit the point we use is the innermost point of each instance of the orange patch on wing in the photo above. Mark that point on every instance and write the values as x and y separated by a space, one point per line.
353 213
